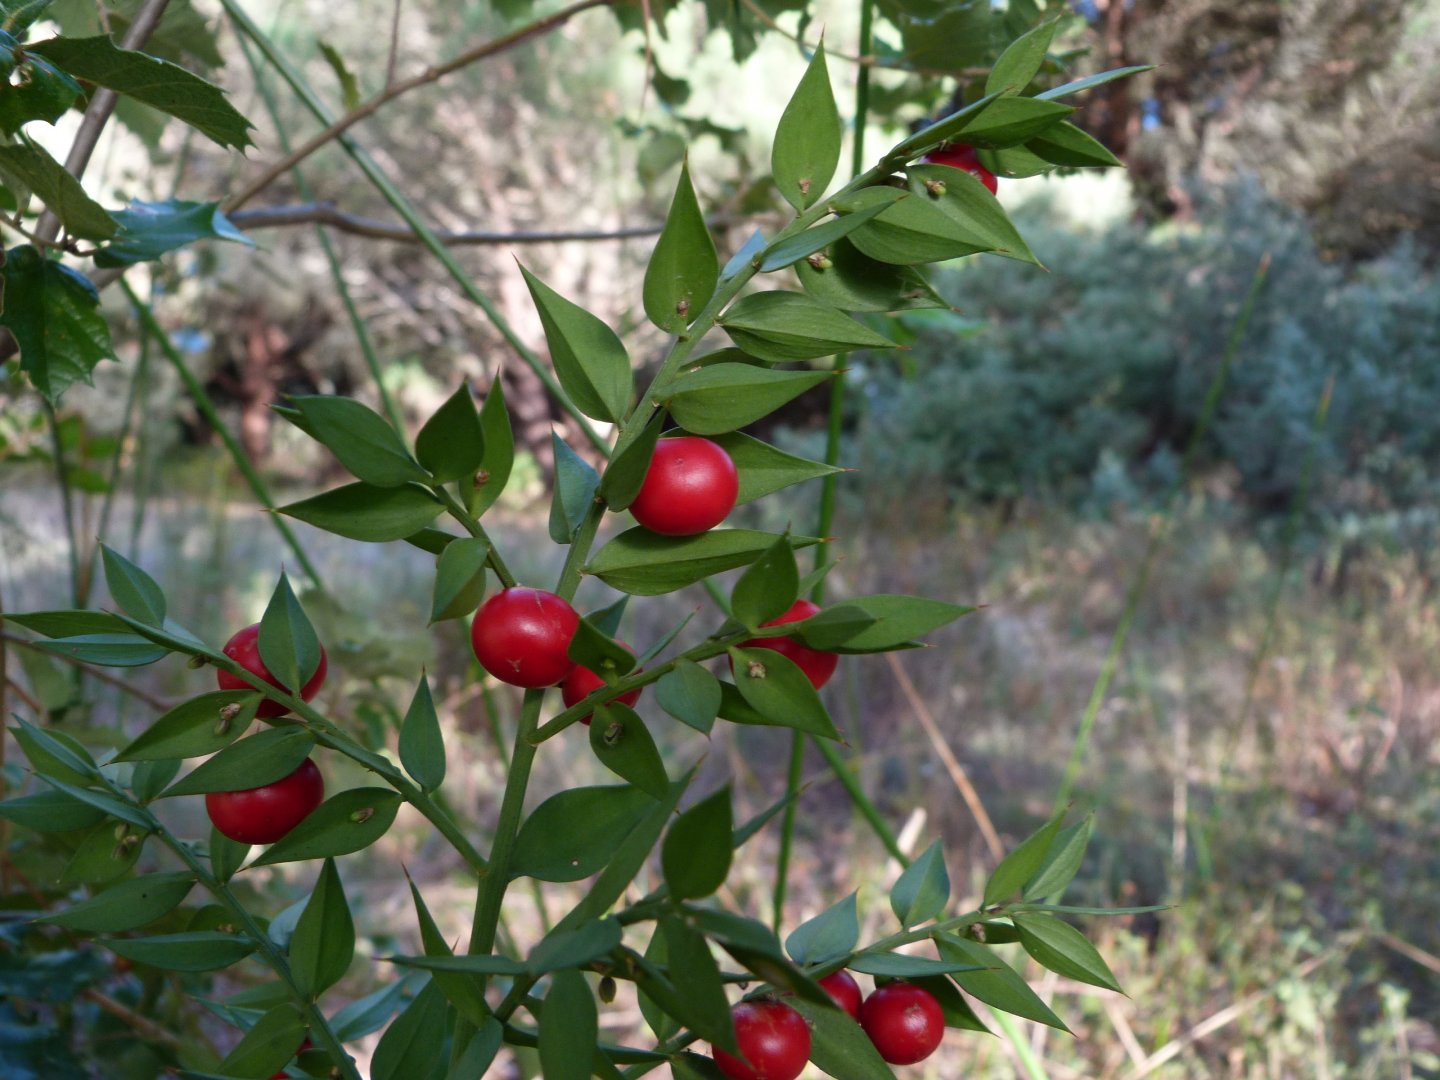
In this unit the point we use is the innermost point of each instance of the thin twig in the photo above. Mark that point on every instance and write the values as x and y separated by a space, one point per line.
394 90
326 213
7 684
1410 952
142 1025
394 56
105 677
952 764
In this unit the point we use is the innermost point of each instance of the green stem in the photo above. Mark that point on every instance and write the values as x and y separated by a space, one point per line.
472 525
67 504
151 326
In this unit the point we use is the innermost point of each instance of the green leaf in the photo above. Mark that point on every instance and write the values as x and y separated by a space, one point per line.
226 855
126 906
923 890
1020 865
768 587
1063 949
784 326
1062 861
691 695
198 951
914 231
968 204
699 1013
573 834
55 754
724 397
953 1006
838 1045
662 1024
19 14
593 649
855 282
807 140
464 993
287 641
452 443
480 1051
194 728
1066 144
828 936
50 811
365 512
1015 162
626 472
1022 60
1091 81
324 940
459 579
1010 121
574 948
368 1014
775 687
575 486
792 249
31 167
691 969
745 255
349 88
900 966
157 83
36 91
945 130
760 820
643 563
361 439
877 623
99 857
624 745
499 457
150 229
422 747
350 821
763 469
63 624
53 312
589 359
466 964
267 1047
569 1027
261 759
133 590
149 778
695 857
683 269
412 1044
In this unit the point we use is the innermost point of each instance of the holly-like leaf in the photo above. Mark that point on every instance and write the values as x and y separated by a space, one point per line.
828 936
1066 144
54 314
1010 121
451 445
695 857
723 397
422 747
903 966
913 232
683 269
268 1046
361 439
807 139
839 1046
1062 861
50 811
32 167
785 326
792 249
626 472
574 948
1091 81
150 229
157 83
366 512
35 91
414 1041
133 589
106 650
877 623
923 890
592 364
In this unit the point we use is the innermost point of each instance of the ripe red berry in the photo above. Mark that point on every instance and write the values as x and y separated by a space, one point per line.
244 649
690 487
844 990
521 636
964 157
904 1021
582 682
264 814
774 1042
818 666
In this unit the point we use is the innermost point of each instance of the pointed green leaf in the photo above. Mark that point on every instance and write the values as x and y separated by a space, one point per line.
50 811
19 14
690 694
1066 144
968 204
195 728
287 641
198 951
914 232
467 995
838 1045
1061 862
792 249
350 821
957 1012
589 359
459 579
126 906
54 315
268 1046
261 759
361 439
55 754
569 1027
626 472
807 140
157 83
1010 121
901 966
28 164
855 282
1091 81
644 563
412 1044
365 512
63 624
683 269
422 748
695 857
745 255
349 88
573 834
828 936
691 969
945 130
452 442
324 940
721 398
763 469
662 1023
574 948
226 855
774 686
603 655
575 486
1063 949
784 326
1020 865
149 778
768 587
877 623
923 890
100 857
1022 60
499 457
133 590
624 745
149 230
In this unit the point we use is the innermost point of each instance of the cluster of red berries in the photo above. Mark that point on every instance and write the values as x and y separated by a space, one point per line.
960 156
903 1021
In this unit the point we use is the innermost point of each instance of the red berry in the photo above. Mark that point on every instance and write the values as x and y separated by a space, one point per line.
582 682
844 990
264 814
904 1021
818 666
244 649
521 636
690 487
964 157
774 1042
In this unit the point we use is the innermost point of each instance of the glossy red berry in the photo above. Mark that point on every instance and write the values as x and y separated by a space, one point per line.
521 636
264 814
844 991
582 682
774 1042
690 487
244 649
964 157
904 1021
818 666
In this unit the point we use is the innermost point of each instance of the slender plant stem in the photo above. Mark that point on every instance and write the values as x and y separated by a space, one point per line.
67 503
151 326
472 525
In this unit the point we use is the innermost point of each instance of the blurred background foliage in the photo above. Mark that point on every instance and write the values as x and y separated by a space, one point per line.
1266 758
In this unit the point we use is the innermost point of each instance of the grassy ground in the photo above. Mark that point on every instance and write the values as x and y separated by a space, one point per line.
1265 764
